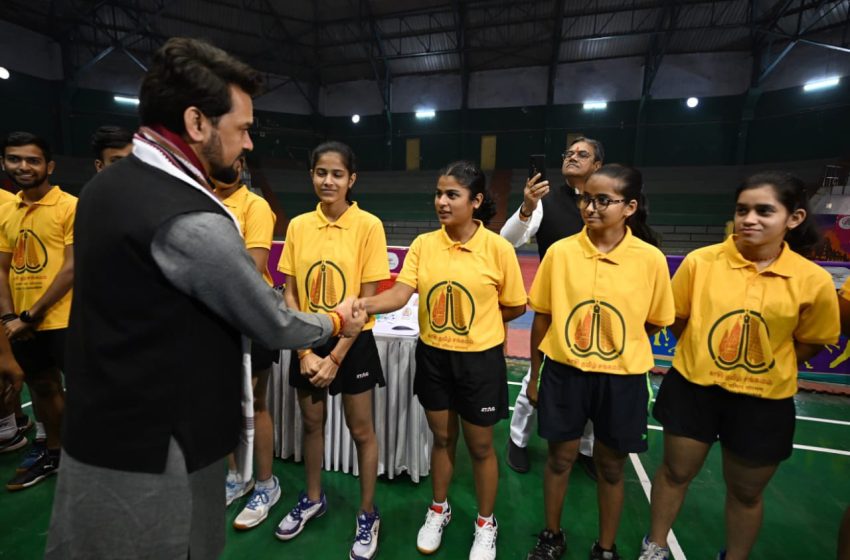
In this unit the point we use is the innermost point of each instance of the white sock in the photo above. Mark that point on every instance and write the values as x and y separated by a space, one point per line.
39 431
443 505
268 484
486 520
8 427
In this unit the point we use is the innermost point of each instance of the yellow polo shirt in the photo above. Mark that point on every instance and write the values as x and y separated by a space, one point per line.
600 303
6 196
461 286
742 323
256 221
37 235
845 290
330 260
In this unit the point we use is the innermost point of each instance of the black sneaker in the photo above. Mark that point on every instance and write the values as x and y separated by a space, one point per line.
599 553
46 465
15 442
517 457
588 465
549 546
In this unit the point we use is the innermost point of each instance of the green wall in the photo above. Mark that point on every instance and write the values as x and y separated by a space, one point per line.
787 125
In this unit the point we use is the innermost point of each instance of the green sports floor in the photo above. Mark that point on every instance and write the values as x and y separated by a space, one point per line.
803 504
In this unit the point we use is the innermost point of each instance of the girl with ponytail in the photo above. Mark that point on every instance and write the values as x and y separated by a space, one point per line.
596 297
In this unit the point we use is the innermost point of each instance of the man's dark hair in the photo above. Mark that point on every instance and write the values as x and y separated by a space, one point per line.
190 72
109 137
598 149
25 139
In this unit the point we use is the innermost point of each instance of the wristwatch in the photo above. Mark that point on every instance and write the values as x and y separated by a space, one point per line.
25 317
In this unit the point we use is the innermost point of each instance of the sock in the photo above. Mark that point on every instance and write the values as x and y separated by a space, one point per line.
268 484
439 507
482 521
8 427
39 431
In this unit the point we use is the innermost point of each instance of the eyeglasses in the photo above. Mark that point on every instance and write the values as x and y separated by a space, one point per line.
581 154
601 202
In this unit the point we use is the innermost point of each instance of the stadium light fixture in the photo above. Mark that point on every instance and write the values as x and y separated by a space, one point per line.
814 85
426 114
126 100
692 102
355 118
595 105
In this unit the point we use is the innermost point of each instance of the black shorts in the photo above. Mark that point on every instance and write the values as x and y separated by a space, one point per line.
756 429
473 384
45 351
262 358
359 372
618 405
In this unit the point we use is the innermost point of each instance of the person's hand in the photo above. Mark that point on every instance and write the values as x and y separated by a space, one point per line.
531 392
309 364
353 317
532 193
18 330
11 379
325 374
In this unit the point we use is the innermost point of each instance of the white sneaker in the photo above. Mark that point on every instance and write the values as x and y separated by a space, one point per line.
651 551
261 501
234 488
431 534
484 544
366 540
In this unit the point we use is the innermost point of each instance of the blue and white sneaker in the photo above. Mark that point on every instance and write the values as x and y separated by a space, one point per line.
258 507
38 448
235 488
652 551
304 511
366 541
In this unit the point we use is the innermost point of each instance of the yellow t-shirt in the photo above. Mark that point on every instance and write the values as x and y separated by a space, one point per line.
256 221
6 196
742 323
330 260
37 235
461 287
845 290
600 303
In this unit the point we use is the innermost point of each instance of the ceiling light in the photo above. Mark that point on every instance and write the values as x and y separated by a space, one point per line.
126 100
814 85
355 118
692 102
426 114
4 73
595 105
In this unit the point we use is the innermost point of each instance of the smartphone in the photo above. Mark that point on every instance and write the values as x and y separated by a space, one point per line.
537 164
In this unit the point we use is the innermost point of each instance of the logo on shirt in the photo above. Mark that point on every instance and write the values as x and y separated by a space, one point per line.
741 339
30 254
596 328
450 308
325 286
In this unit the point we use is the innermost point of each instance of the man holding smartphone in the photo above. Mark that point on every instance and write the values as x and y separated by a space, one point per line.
551 215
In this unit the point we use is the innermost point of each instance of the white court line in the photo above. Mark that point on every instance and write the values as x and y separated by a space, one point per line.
519 383
796 446
824 420
672 541
26 404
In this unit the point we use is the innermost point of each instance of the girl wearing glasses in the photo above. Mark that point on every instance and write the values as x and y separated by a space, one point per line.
590 349
748 310
469 282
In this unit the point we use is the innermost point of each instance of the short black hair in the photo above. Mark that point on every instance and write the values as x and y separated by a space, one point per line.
109 136
21 138
190 72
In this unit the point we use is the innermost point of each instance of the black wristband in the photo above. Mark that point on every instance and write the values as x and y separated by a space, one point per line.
26 317
8 317
523 214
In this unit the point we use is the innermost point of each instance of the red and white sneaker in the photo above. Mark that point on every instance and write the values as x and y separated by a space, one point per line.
431 534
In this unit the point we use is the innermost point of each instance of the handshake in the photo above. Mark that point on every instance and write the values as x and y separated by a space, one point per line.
354 316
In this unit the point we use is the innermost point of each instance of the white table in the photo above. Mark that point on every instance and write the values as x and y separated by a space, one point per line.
404 440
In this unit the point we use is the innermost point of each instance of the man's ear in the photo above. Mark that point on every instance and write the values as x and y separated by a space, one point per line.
196 124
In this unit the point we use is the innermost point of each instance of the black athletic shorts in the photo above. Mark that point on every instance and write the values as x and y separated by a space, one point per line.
618 405
45 351
359 372
755 429
473 384
262 357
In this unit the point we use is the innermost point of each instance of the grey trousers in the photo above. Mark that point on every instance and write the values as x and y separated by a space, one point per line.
104 513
